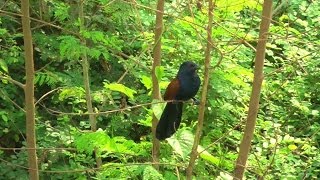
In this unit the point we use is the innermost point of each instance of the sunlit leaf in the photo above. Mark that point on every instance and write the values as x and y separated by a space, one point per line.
159 71
157 108
146 81
315 112
292 147
3 66
121 88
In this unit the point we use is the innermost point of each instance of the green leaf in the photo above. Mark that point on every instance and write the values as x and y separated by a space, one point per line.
121 88
3 31
207 156
146 81
95 36
157 108
86 142
164 84
151 173
106 55
292 147
77 92
3 65
70 47
61 11
236 5
146 121
94 53
182 142
159 71
4 117
315 112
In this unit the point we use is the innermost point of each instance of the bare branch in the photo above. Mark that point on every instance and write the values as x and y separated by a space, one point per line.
41 21
14 103
109 165
46 94
13 81
106 112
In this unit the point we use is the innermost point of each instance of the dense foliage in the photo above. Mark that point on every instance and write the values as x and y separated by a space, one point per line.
119 43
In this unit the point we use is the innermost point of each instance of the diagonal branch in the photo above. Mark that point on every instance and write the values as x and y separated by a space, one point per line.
12 81
12 101
46 94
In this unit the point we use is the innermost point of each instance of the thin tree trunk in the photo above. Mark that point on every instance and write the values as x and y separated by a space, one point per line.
194 152
155 84
43 10
256 89
86 81
29 92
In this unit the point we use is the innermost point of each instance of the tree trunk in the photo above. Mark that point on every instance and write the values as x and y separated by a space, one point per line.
155 84
194 152
29 92
86 81
256 89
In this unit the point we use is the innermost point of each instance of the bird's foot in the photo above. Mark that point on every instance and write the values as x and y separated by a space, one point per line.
195 101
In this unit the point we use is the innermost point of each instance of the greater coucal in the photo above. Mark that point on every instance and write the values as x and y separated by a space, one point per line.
183 87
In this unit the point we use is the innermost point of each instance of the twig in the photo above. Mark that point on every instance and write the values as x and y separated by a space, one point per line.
106 112
164 13
41 21
220 58
14 103
4 4
89 169
13 81
122 76
274 153
45 66
25 148
220 138
46 94
178 174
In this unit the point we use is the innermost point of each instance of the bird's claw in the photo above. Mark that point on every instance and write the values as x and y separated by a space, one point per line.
195 101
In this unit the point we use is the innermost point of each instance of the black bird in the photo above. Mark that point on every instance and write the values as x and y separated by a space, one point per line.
182 88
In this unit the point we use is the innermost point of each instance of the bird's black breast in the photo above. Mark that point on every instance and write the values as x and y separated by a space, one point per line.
189 86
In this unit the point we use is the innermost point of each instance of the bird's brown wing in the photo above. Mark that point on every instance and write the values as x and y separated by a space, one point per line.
172 90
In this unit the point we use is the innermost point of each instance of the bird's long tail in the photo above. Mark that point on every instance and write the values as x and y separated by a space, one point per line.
170 120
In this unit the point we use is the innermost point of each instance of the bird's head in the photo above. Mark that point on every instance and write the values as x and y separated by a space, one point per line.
188 67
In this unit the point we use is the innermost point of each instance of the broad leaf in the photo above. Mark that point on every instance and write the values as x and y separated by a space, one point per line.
121 88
